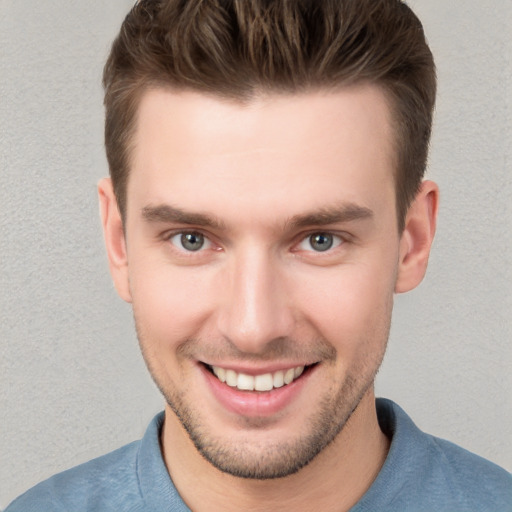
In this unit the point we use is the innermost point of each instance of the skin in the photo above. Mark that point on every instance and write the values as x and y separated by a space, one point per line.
256 181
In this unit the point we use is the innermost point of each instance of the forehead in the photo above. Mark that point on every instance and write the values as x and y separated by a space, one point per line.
199 151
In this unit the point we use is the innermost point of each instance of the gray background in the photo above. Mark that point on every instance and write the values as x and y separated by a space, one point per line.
73 385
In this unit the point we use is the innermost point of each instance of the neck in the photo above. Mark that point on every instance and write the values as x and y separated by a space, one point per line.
335 480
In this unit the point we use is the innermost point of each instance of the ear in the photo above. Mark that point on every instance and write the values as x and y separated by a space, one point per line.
417 237
114 238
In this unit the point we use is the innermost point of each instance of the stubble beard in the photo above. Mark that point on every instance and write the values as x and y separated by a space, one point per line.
247 459
273 459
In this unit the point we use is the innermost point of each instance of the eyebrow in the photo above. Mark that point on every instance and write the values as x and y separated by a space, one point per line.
170 214
331 215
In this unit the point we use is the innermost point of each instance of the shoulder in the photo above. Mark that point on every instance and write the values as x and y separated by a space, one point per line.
473 480
132 479
106 483
423 472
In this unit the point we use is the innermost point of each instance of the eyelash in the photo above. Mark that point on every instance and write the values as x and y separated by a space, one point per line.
336 241
207 243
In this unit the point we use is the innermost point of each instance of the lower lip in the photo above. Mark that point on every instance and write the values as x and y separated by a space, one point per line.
255 404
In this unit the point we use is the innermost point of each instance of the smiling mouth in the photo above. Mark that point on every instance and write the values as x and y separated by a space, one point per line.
263 382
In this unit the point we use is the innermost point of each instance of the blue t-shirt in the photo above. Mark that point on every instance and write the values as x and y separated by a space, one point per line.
421 473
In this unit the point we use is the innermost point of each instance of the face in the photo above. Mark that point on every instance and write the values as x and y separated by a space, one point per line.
261 259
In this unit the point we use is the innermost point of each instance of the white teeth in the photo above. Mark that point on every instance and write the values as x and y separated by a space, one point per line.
278 379
231 378
264 382
288 376
220 373
245 382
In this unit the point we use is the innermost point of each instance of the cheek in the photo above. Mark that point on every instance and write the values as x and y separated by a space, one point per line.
170 302
350 305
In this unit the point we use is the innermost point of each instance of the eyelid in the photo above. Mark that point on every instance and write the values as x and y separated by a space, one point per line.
210 243
169 235
304 237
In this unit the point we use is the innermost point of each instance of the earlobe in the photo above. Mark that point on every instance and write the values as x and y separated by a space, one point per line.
417 237
114 238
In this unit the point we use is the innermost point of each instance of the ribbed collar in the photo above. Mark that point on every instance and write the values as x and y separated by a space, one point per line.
159 493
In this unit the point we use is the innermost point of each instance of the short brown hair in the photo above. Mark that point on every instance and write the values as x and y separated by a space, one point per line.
235 48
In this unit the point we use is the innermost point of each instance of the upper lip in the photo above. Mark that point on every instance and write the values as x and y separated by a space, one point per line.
261 369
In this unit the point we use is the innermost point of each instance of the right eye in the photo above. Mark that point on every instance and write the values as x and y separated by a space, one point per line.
190 241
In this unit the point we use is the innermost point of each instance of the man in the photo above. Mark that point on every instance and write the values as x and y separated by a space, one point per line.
265 203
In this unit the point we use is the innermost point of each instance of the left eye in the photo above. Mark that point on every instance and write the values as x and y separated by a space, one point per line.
320 242
191 241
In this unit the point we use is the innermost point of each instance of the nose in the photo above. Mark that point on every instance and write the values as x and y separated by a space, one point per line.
256 307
